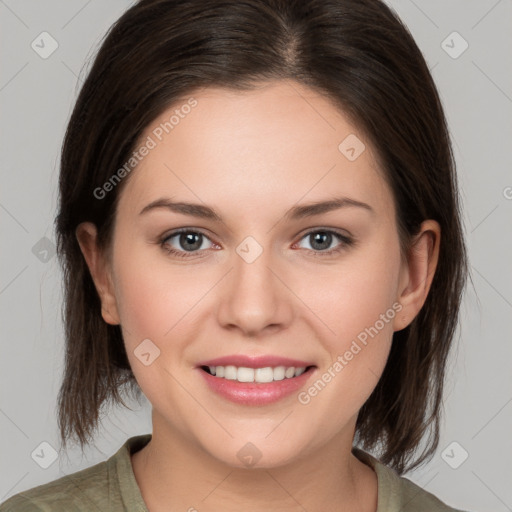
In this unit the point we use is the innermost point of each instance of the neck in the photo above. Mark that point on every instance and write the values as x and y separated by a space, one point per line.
175 474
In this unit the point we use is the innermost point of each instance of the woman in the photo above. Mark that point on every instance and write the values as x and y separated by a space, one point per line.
260 231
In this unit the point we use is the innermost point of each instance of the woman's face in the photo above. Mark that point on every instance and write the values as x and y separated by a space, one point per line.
270 279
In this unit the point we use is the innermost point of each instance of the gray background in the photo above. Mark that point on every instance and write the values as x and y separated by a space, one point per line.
36 98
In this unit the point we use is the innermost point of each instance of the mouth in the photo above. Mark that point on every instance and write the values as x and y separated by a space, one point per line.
256 375
255 381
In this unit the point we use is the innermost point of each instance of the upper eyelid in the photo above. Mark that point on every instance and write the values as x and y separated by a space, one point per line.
179 231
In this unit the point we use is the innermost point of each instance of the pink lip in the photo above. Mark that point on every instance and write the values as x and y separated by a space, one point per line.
255 362
253 393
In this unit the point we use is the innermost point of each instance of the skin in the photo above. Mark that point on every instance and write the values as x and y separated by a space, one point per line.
252 156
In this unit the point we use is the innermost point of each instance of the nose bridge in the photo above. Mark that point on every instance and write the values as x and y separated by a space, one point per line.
254 297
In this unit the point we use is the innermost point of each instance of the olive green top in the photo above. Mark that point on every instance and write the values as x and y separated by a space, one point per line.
111 486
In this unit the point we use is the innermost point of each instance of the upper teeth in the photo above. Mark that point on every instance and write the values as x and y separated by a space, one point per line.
268 374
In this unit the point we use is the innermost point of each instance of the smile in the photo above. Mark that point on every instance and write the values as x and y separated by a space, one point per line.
258 375
255 380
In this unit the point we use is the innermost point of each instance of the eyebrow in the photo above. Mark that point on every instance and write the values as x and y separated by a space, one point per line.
295 213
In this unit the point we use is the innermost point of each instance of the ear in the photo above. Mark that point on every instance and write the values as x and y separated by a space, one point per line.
86 234
417 273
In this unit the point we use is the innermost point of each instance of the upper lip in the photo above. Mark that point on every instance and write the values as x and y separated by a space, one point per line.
240 360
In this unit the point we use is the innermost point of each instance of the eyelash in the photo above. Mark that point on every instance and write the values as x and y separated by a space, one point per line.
345 242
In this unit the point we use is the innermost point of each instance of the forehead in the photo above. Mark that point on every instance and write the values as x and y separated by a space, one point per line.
278 142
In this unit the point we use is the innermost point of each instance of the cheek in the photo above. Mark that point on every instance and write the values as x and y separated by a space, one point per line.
156 303
353 295
356 306
153 299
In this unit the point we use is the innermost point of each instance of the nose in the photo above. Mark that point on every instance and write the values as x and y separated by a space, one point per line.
254 298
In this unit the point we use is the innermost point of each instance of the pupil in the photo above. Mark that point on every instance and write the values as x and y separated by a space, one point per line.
190 241
320 238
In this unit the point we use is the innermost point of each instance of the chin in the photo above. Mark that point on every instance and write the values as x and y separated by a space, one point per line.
256 454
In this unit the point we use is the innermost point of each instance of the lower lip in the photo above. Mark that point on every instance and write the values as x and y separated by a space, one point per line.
252 393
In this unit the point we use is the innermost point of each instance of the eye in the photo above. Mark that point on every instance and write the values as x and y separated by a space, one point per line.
321 240
184 242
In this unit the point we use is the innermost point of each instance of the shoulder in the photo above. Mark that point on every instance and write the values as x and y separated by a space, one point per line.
418 499
104 486
19 503
399 494
75 492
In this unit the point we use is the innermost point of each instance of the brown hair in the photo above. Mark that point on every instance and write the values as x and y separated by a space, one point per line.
359 54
